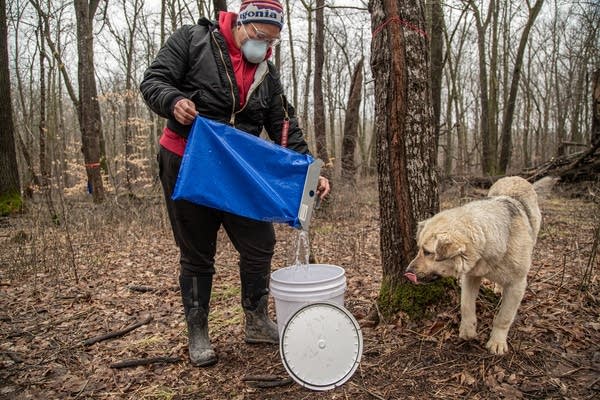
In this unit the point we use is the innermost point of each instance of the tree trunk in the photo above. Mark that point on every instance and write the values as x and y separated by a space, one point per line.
292 55
90 121
437 64
10 191
405 137
595 136
319 105
351 123
487 152
449 143
219 5
309 65
509 109
45 168
130 117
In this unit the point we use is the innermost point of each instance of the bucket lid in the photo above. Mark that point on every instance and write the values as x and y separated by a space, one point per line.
321 345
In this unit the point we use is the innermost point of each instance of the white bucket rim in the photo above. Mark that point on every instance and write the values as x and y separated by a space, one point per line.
337 276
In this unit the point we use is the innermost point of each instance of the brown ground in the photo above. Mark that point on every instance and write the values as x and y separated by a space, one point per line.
63 285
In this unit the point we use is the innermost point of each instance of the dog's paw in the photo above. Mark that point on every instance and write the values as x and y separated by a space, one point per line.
467 332
498 347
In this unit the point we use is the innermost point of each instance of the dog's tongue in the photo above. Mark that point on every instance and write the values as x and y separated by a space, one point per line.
411 277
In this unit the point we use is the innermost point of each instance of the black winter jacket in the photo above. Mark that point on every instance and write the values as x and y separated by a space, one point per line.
194 63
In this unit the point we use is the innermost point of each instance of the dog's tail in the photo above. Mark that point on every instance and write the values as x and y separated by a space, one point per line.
543 187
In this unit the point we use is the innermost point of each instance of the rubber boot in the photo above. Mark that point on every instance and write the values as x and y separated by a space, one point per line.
255 300
195 294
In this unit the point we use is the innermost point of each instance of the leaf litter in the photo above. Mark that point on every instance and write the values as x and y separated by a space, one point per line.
123 268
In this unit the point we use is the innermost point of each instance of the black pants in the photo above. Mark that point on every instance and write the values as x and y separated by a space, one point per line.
195 229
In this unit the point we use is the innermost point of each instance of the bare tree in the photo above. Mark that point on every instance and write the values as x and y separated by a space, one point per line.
44 139
437 62
509 109
351 123
219 5
125 39
405 136
10 191
292 55
89 108
309 64
595 137
487 137
318 104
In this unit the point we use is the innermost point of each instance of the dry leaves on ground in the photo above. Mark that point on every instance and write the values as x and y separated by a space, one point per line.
117 264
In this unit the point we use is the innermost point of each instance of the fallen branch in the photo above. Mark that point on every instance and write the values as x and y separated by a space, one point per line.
266 381
96 339
145 361
141 288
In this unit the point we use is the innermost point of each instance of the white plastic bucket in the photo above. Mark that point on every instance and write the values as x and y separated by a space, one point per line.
294 287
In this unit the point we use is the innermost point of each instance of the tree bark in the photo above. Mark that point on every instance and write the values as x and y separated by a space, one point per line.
309 63
45 168
595 136
404 130
219 5
319 105
487 152
437 64
351 123
91 123
292 55
10 190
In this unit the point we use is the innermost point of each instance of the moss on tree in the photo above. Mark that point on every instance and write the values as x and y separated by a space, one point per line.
413 299
10 203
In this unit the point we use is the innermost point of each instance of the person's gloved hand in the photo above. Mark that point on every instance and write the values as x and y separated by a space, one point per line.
185 111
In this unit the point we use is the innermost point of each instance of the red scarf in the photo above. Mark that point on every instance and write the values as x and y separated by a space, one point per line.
244 71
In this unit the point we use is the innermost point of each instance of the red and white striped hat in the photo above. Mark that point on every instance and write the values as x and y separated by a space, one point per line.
261 11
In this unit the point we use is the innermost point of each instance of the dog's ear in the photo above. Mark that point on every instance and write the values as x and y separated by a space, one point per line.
448 247
420 227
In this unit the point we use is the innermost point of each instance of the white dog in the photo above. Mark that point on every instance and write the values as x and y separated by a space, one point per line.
492 238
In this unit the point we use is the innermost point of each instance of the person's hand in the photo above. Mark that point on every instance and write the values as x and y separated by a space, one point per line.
185 111
323 187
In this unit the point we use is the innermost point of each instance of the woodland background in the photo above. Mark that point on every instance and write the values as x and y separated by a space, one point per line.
551 114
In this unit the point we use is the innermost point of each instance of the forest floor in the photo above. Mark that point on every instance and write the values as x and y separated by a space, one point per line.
61 285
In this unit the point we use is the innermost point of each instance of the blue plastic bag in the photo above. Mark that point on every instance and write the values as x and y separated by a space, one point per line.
234 171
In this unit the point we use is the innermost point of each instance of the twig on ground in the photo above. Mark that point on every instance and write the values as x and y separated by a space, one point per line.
266 381
141 288
144 361
110 335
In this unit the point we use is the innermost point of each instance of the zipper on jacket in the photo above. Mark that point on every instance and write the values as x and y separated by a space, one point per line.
253 88
233 100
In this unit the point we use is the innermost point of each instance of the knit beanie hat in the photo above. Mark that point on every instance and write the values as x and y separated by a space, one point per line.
261 11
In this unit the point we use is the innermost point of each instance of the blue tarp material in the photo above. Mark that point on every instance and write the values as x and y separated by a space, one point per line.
234 171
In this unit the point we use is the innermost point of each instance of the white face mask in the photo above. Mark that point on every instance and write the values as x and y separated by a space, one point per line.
255 50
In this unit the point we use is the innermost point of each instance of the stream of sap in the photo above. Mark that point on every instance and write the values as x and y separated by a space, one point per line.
302 254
